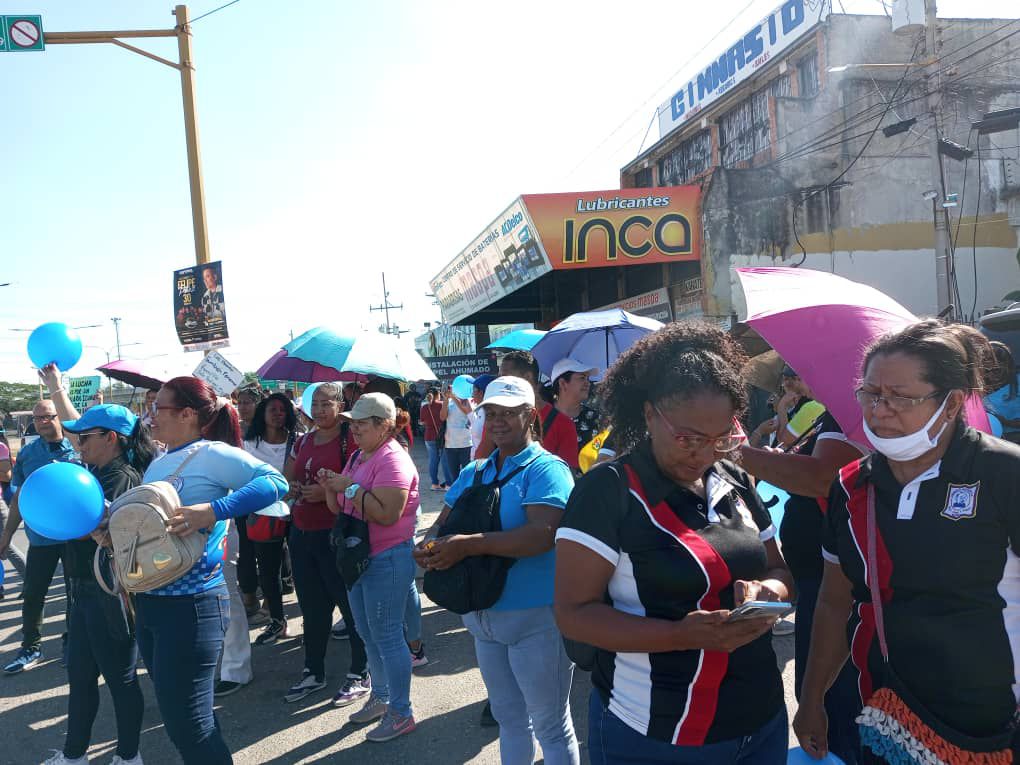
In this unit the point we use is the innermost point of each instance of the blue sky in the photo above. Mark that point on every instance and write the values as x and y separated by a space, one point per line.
339 139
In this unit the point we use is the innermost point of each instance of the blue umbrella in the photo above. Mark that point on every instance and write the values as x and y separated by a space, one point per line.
596 338
518 340
321 355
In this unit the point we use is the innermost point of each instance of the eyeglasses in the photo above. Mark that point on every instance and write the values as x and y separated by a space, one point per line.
44 417
898 404
692 443
83 436
157 408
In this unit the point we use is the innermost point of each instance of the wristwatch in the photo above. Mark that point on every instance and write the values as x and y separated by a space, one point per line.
351 490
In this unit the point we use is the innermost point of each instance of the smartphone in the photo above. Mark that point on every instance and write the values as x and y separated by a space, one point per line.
757 609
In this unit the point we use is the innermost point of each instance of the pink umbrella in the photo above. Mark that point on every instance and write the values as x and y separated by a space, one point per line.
132 373
821 324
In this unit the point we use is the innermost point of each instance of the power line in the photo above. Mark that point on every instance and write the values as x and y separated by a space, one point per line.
214 10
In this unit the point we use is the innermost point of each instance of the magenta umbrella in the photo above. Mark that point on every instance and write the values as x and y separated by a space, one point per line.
821 325
131 373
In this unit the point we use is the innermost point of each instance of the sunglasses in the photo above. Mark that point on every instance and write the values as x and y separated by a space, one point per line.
83 436
694 443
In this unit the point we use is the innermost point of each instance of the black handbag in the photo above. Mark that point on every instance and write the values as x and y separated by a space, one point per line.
349 539
476 582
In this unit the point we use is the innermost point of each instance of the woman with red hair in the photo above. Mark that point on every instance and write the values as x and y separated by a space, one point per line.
180 627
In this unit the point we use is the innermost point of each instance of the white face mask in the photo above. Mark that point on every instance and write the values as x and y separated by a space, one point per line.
909 447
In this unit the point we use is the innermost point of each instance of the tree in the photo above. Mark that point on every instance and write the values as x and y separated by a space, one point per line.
17 397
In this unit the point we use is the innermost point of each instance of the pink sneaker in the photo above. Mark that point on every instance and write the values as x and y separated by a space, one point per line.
391 726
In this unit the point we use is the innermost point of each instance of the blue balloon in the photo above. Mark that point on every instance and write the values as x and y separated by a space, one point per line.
463 386
799 757
62 501
306 398
54 343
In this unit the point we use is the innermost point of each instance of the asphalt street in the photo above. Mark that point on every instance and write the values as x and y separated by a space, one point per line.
258 725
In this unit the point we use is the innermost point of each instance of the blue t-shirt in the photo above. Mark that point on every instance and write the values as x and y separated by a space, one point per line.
217 470
545 481
32 457
1003 407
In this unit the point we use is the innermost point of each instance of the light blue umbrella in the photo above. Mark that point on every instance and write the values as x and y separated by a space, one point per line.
595 338
321 355
518 340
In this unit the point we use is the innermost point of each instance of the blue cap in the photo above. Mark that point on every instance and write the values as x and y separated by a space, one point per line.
482 381
113 417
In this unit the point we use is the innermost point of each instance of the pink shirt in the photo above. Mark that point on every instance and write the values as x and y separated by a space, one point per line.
389 466
5 453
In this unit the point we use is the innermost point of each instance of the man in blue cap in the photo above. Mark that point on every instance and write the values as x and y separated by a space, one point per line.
43 553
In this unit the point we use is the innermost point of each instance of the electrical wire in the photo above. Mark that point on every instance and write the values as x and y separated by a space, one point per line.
977 211
214 10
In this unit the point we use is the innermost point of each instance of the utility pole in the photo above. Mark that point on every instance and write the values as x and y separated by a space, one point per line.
386 306
116 329
943 255
186 66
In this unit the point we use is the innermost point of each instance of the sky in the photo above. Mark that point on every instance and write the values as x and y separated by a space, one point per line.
339 140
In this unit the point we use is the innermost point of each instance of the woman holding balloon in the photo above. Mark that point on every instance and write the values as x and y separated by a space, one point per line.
116 448
181 627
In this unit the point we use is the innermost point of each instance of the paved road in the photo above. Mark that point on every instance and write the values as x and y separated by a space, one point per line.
259 727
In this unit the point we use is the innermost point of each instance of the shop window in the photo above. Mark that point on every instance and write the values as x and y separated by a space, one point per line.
807 75
821 208
780 87
744 131
643 179
687 161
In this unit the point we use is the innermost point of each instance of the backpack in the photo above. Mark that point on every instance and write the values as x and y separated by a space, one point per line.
145 555
476 582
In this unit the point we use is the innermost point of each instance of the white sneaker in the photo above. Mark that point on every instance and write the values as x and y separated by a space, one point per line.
58 758
309 684
136 760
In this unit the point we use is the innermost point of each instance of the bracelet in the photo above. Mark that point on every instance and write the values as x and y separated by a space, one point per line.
55 391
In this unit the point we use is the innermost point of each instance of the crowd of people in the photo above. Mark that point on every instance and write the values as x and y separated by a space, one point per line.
628 542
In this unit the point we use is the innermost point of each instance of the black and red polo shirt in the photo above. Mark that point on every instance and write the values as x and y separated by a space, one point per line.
673 553
947 549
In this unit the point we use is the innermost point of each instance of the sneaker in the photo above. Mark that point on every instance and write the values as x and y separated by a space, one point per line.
258 618
339 631
783 627
374 709
26 659
487 720
309 684
418 658
226 687
118 760
272 632
436 487
355 687
392 726
58 758
287 587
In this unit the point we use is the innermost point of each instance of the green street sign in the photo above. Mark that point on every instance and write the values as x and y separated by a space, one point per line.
19 33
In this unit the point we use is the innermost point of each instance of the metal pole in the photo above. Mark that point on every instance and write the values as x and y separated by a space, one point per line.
187 63
386 302
943 256
116 329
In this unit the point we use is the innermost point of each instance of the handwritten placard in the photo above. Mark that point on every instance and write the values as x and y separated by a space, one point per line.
223 376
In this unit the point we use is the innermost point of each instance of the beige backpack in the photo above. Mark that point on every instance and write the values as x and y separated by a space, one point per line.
145 555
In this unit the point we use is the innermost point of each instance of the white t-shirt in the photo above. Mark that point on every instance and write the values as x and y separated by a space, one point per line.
477 420
271 454
458 428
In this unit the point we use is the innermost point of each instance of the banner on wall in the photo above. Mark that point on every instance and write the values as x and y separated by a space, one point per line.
446 368
775 33
446 340
199 310
653 304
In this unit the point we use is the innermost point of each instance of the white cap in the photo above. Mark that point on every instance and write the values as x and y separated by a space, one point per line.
510 392
563 366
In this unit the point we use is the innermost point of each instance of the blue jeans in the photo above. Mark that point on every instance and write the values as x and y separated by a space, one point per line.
843 701
612 742
181 638
379 600
99 642
412 614
435 451
527 674
456 460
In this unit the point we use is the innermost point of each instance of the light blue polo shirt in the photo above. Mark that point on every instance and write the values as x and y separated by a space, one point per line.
32 457
546 481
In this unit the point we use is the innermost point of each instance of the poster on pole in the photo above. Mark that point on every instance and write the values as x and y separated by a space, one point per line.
82 390
199 313
223 376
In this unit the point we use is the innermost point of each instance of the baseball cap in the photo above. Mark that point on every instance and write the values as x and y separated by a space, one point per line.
482 381
563 366
106 416
510 392
372 405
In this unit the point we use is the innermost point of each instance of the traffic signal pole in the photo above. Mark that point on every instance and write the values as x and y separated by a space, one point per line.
186 66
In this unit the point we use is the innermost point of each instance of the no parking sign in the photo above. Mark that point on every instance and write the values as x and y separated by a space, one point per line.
21 33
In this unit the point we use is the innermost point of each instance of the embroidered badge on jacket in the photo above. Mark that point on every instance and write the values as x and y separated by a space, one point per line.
961 501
